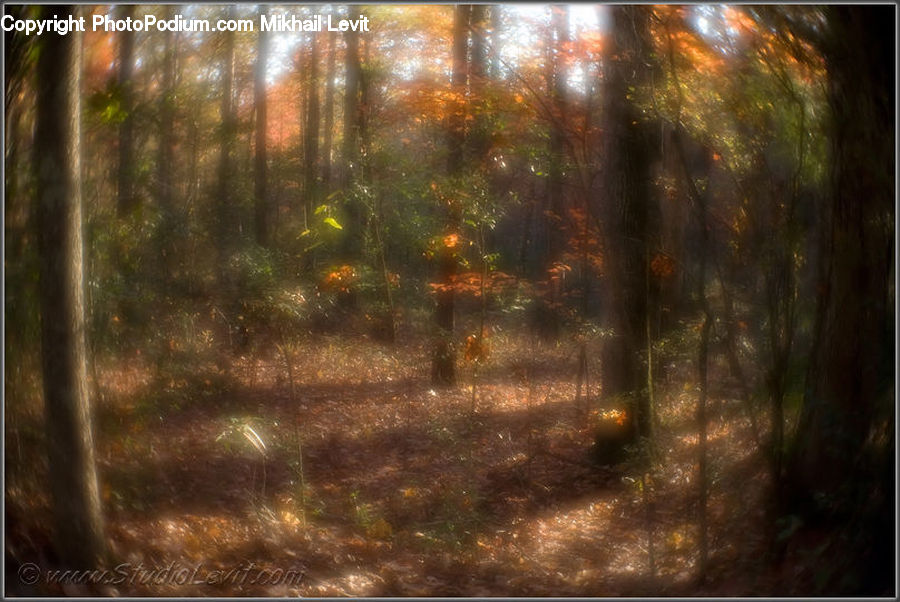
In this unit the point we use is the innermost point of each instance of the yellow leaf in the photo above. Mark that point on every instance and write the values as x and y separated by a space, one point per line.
289 518
380 529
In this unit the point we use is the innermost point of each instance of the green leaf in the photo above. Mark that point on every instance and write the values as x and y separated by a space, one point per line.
320 209
333 223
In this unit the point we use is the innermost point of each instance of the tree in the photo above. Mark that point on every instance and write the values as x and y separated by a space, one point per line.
225 197
558 36
126 173
261 205
479 135
456 119
165 164
844 446
67 407
328 135
353 239
630 210
496 24
443 363
311 137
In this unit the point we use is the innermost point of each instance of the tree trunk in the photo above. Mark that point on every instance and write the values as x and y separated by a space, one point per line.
443 364
225 231
456 121
851 378
353 239
496 25
479 141
556 84
630 215
127 201
365 108
261 205
165 166
67 408
328 136
311 137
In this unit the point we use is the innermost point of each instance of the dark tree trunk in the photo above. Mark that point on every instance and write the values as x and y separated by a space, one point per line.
311 137
443 366
165 164
16 64
353 238
456 122
224 202
76 502
365 108
556 84
127 201
261 200
478 139
328 137
631 211
848 409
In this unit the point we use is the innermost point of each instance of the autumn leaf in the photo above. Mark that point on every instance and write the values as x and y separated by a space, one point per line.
662 266
477 349
380 529
289 518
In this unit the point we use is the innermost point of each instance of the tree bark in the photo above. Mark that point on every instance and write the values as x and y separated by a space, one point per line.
67 408
311 137
328 135
261 200
353 238
365 113
443 364
225 210
630 214
165 164
456 121
556 85
850 377
479 141
127 201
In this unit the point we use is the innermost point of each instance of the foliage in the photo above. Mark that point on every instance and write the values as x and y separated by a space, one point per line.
301 357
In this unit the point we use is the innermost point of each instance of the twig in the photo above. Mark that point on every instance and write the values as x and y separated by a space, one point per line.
302 475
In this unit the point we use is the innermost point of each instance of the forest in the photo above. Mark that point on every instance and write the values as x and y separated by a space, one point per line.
449 300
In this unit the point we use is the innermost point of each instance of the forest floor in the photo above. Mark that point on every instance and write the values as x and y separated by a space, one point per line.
366 481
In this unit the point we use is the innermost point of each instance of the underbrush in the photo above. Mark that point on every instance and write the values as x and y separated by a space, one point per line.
339 456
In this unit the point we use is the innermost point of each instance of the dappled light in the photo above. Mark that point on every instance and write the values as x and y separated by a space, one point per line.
449 300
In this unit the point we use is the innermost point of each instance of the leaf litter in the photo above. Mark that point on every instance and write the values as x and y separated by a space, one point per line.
371 483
